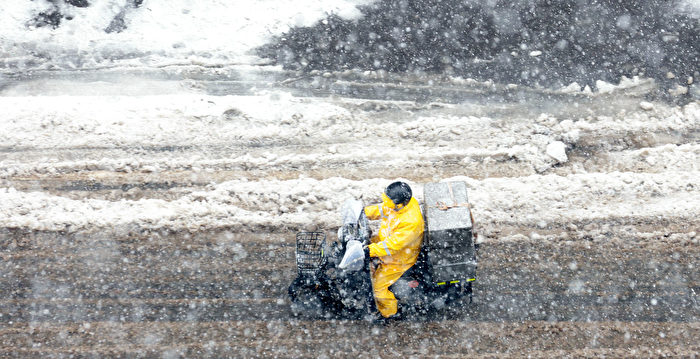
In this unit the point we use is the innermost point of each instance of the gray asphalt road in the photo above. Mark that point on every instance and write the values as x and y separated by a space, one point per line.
233 286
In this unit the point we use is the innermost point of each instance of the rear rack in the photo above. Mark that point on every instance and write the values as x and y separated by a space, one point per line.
310 252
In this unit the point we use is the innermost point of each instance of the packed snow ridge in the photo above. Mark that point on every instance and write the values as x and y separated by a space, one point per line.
333 131
268 159
310 203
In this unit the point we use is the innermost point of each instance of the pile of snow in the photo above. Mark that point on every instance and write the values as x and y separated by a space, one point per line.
223 126
158 33
311 203
182 120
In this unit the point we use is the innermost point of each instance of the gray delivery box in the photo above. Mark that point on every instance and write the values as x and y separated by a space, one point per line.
449 232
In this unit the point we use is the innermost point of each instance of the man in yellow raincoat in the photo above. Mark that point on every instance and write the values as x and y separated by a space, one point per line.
397 244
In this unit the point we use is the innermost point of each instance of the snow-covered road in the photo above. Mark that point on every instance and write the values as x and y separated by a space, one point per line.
186 159
154 169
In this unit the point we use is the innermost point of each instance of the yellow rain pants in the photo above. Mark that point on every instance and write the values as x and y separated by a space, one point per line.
397 245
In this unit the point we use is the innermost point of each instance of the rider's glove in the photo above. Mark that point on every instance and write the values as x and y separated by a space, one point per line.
365 249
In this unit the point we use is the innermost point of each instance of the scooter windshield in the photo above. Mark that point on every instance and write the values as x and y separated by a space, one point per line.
351 211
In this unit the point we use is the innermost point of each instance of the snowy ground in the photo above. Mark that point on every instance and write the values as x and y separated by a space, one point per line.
129 210
191 160
149 195
159 33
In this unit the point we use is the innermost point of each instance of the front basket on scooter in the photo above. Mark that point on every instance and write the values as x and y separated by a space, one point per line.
310 252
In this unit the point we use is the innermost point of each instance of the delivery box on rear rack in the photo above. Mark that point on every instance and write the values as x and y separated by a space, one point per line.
449 233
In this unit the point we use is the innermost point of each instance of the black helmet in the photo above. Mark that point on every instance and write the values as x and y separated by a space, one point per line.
399 193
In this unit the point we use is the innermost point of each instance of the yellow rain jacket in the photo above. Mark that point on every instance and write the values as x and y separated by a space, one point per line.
397 245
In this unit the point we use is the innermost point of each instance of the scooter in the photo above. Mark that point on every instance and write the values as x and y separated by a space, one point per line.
334 282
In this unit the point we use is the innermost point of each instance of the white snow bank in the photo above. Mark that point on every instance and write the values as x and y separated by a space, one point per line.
177 119
307 203
667 157
630 86
157 33
230 124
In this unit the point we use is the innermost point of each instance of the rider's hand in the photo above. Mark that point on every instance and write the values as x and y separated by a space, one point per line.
365 249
